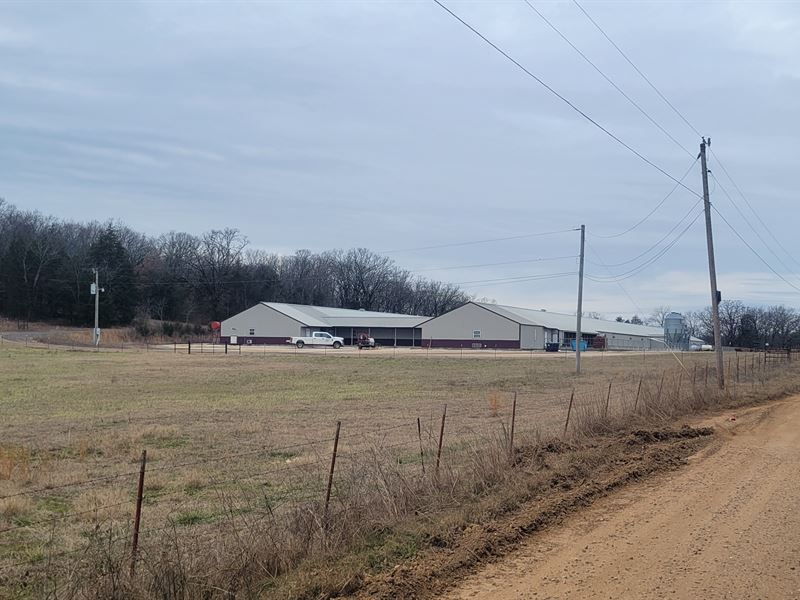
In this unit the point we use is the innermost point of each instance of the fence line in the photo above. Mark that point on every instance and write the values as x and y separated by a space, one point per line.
608 399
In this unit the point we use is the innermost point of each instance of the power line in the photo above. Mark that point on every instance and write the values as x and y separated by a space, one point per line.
562 98
655 208
518 279
752 228
658 243
753 210
630 62
638 269
608 79
624 291
475 242
754 251
496 264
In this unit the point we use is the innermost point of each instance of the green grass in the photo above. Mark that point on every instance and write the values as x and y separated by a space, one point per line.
192 517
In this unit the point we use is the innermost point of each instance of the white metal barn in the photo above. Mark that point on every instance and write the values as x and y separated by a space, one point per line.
275 322
478 324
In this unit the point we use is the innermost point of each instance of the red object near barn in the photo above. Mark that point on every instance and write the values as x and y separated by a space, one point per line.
215 325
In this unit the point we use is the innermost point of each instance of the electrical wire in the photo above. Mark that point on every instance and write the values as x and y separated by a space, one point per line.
635 68
621 287
608 79
658 243
496 264
753 210
653 211
638 269
752 228
518 279
753 250
475 242
563 98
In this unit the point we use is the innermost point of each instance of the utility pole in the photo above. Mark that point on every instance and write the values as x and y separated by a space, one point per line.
580 305
712 270
96 292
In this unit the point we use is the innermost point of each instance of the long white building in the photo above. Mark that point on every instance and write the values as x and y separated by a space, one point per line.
479 324
275 322
474 324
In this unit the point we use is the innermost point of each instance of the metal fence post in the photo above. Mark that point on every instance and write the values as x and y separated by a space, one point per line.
569 410
608 399
421 452
330 473
638 392
511 435
441 438
138 515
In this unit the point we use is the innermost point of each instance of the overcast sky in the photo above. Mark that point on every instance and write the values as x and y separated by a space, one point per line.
390 125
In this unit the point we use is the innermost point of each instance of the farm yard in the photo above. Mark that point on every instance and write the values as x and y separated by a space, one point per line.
239 450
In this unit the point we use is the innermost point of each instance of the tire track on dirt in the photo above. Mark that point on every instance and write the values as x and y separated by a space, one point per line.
727 526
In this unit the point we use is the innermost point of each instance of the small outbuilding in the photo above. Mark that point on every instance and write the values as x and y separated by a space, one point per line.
275 322
484 325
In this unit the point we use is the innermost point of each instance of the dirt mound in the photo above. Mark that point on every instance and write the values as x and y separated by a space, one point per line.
643 436
582 474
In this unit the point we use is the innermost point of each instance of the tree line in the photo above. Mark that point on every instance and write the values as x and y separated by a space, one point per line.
46 271
741 325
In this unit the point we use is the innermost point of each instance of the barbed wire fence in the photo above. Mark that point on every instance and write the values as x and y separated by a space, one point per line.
321 484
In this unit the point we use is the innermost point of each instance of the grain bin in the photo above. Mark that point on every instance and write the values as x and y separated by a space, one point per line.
676 332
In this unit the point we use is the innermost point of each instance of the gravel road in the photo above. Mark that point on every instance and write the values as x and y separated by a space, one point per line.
726 526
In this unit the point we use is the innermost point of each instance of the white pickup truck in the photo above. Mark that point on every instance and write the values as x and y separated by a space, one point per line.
317 338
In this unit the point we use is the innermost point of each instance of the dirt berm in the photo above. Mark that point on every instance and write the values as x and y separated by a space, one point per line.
576 475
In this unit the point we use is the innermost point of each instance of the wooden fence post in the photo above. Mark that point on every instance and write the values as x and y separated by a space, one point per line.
608 399
330 474
441 438
569 410
137 520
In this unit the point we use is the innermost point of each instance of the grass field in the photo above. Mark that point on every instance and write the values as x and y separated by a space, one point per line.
234 436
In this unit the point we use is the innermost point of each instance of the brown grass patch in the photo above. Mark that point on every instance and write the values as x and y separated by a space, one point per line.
239 450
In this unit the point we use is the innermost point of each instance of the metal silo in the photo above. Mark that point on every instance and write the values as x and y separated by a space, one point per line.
676 333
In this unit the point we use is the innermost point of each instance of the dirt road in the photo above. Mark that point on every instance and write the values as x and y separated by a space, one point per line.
726 526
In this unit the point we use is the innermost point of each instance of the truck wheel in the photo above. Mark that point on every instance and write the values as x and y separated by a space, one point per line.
299 343
337 345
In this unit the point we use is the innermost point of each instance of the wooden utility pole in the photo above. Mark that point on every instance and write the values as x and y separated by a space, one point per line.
95 289
712 270
580 304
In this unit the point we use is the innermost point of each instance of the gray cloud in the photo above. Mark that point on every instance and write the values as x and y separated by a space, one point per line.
388 124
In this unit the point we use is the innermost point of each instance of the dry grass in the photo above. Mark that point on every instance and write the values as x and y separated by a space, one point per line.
239 446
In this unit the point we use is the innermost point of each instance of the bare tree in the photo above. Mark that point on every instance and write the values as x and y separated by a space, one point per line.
658 316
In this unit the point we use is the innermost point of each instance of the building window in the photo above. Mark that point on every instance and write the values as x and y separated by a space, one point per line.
252 332
476 334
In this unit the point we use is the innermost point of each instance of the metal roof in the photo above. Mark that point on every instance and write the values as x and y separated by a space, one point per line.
326 316
562 322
